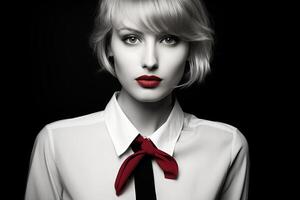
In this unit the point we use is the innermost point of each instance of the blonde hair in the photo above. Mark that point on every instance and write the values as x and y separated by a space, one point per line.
186 19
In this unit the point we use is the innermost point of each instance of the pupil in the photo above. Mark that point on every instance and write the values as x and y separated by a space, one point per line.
168 39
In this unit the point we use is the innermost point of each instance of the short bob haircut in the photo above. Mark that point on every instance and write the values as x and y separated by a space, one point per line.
186 19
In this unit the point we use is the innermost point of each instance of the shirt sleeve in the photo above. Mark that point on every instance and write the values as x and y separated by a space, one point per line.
237 180
43 181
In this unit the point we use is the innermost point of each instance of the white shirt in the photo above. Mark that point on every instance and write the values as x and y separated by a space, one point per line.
79 158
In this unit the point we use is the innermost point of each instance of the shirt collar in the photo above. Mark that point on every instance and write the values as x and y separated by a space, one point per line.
123 132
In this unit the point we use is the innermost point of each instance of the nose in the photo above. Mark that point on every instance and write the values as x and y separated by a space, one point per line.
150 61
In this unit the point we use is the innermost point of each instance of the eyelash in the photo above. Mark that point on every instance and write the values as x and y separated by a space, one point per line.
173 38
127 37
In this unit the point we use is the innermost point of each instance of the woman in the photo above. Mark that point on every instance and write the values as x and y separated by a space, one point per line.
143 146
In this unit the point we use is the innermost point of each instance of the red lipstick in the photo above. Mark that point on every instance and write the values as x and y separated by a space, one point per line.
146 81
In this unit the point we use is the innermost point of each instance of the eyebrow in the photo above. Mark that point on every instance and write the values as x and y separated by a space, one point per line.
137 31
130 29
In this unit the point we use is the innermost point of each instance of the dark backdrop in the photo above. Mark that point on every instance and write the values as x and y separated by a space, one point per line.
55 77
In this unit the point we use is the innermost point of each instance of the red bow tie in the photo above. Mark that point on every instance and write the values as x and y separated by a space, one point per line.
146 147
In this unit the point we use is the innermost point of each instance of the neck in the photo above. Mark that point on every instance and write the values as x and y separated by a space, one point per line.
147 117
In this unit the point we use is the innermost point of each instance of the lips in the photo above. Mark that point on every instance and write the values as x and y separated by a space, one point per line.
146 81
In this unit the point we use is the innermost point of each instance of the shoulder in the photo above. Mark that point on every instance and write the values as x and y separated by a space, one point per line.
84 120
72 133
77 126
214 132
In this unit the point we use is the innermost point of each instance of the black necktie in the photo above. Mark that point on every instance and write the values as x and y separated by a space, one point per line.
143 177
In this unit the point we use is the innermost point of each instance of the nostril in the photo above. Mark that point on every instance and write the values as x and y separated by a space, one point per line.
150 67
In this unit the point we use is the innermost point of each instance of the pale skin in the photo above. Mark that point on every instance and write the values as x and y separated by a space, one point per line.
137 52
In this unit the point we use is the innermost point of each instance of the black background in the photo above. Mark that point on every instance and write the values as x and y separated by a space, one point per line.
55 77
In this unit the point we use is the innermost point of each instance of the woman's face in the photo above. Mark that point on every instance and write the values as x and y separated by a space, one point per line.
147 65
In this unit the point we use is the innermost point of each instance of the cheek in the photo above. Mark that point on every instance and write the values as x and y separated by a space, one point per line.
124 59
174 62
125 62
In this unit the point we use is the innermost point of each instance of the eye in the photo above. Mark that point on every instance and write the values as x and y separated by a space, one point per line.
130 39
170 40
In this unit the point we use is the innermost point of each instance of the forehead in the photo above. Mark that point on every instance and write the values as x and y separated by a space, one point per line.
146 16
129 17
126 22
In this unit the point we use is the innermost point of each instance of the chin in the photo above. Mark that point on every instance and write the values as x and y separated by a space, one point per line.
150 96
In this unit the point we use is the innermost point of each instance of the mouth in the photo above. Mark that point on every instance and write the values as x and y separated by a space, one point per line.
146 81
